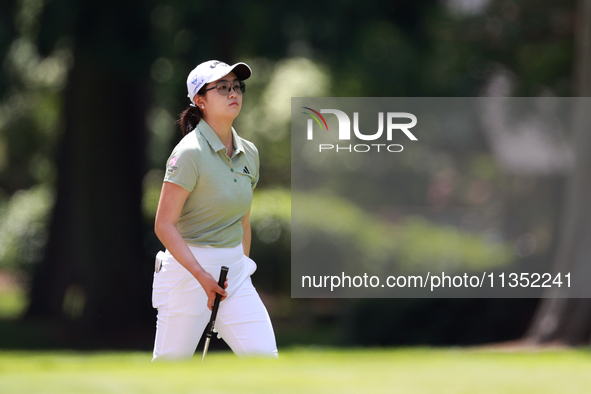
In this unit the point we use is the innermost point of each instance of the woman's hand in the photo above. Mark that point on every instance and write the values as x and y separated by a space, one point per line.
211 287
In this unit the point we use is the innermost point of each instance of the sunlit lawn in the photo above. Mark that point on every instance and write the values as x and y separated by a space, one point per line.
417 370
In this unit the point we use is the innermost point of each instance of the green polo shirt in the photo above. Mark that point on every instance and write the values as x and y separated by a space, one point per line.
220 187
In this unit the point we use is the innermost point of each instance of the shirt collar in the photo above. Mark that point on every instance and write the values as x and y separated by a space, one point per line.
214 141
238 147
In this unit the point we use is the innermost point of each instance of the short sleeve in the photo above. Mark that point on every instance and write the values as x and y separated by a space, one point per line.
257 165
181 169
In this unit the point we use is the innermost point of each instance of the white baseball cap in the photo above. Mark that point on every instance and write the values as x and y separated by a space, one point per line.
213 70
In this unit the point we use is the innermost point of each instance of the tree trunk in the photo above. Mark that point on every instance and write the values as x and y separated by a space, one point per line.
6 37
92 280
568 320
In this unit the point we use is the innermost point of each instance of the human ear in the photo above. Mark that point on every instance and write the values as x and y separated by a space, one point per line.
199 101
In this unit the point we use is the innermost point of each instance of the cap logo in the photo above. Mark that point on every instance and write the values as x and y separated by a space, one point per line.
214 64
194 80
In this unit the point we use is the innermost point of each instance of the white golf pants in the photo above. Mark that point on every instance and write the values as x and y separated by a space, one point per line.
242 320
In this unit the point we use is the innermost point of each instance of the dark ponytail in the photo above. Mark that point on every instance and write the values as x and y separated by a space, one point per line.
190 117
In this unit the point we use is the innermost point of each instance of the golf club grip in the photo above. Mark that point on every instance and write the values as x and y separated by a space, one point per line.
216 302
218 296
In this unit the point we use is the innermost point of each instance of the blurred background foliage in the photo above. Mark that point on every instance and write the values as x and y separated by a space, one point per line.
383 48
410 242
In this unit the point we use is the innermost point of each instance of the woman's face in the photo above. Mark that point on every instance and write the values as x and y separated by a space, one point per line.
217 105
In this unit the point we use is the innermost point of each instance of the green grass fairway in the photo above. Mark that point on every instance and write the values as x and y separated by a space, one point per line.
416 371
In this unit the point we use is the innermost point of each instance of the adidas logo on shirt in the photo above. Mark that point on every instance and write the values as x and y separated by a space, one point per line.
246 170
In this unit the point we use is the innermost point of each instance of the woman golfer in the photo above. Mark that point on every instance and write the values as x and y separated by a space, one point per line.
203 221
